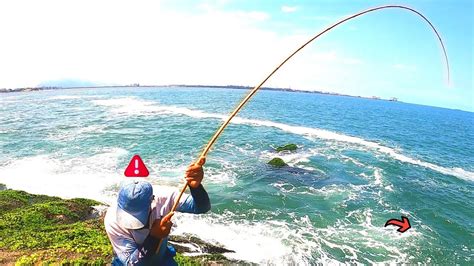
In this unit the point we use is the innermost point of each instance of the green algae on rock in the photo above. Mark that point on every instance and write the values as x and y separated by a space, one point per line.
287 147
277 162
39 228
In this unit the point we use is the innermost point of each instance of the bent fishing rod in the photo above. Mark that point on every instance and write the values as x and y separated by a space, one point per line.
202 157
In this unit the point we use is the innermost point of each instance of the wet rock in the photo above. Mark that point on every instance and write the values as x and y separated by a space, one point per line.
192 250
97 212
287 147
277 162
191 244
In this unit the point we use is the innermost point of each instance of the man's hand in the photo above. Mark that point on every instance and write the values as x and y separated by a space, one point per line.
194 174
161 228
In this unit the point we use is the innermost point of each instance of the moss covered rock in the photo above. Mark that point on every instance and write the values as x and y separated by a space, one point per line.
287 147
277 162
39 228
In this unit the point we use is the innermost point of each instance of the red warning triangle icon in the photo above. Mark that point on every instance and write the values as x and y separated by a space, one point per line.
136 168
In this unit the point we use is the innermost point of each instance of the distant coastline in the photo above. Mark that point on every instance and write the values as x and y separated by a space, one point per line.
29 89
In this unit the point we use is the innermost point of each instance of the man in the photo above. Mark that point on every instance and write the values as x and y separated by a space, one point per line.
142 218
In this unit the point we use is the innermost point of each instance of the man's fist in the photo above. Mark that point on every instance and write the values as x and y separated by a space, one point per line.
161 228
194 174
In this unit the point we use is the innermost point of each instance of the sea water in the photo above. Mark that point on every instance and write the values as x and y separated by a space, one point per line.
359 163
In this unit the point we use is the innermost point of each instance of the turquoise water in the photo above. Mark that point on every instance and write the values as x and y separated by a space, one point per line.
359 163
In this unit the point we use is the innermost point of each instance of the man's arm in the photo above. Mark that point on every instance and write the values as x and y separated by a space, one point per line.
198 201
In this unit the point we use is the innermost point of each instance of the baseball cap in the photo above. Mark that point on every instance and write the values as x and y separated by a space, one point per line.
133 204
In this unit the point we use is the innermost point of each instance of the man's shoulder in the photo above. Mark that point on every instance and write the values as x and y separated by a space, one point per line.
110 214
111 225
164 192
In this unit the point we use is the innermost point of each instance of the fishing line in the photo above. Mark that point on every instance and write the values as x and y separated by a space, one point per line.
216 135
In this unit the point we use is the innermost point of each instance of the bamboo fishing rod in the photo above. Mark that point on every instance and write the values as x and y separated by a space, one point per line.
216 135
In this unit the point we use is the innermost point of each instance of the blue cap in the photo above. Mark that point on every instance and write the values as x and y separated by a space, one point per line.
134 203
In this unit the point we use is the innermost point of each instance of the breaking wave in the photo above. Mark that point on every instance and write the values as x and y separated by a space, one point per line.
299 242
135 106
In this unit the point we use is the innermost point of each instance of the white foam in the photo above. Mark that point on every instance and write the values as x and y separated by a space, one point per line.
275 242
378 176
134 106
352 160
258 242
65 97
74 133
300 158
328 135
284 187
73 97
128 106
224 174
358 229
68 178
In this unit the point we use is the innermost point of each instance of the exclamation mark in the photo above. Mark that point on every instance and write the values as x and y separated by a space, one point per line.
136 167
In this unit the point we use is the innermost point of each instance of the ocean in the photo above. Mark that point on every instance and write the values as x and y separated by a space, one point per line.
359 163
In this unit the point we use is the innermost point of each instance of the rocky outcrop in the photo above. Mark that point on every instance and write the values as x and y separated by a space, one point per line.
277 162
287 147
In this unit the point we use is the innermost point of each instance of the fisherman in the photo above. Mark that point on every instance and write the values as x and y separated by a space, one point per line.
142 218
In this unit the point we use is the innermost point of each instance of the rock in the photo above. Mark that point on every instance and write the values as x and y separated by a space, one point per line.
2 186
191 244
277 162
287 147
97 211
194 251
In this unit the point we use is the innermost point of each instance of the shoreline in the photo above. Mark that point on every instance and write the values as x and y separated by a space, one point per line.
37 229
231 87
234 87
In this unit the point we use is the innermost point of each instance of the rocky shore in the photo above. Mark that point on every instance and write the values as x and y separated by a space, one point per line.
39 229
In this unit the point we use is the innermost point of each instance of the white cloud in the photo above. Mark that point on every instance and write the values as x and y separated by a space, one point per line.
289 9
120 42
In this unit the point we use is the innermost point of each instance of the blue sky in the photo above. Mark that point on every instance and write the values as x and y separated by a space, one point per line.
391 53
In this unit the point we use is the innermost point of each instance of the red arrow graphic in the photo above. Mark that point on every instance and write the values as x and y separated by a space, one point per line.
404 224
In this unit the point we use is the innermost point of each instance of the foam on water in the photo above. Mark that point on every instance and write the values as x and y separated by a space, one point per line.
68 178
298 242
258 242
224 174
358 225
134 106
73 97
75 133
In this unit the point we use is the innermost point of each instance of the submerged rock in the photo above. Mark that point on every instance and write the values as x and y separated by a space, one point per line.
287 147
277 162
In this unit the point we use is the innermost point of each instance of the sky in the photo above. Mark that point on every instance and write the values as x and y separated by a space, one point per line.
389 53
